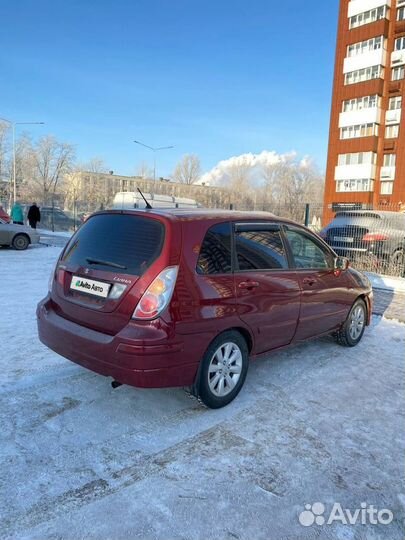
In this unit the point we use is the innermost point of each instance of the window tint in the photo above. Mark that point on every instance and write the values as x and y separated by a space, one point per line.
215 254
306 252
133 242
260 250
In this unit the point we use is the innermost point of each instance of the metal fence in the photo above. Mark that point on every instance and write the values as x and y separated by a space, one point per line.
372 239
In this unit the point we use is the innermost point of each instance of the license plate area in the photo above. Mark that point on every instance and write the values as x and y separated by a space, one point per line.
90 286
345 239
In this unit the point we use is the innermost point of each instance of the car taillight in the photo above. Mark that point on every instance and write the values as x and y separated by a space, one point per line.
158 295
374 237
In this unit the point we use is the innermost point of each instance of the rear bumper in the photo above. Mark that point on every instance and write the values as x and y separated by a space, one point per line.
373 252
168 361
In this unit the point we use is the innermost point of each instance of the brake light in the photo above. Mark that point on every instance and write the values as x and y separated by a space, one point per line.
158 295
375 237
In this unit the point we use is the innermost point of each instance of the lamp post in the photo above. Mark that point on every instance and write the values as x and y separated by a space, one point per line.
154 150
13 126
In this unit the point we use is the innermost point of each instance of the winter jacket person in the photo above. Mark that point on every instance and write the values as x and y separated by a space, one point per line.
34 215
17 214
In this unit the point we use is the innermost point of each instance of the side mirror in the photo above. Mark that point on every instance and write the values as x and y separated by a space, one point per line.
341 263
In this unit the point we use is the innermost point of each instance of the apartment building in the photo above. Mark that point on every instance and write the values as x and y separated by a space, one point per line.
366 156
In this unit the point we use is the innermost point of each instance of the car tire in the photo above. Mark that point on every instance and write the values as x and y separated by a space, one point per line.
223 370
20 242
353 328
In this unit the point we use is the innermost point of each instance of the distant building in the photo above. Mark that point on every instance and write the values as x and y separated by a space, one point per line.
89 191
366 157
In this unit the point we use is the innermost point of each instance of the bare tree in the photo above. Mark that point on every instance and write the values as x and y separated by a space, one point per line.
51 160
95 165
144 171
188 170
4 149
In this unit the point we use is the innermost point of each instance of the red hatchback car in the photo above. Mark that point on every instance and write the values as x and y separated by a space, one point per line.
157 298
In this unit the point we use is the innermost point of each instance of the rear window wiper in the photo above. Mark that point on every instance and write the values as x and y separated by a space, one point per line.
90 260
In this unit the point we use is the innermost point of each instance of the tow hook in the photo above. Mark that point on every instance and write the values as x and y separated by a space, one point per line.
116 384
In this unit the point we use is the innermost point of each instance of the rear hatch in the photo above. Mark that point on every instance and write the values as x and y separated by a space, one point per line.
348 229
106 267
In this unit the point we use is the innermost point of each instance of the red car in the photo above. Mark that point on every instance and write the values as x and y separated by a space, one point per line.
157 298
3 215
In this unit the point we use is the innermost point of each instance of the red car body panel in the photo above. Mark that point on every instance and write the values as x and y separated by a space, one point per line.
4 216
282 307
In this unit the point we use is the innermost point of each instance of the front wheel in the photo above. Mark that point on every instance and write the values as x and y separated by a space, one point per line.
20 242
353 328
223 370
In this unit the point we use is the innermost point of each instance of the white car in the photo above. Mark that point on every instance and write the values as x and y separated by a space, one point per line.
17 236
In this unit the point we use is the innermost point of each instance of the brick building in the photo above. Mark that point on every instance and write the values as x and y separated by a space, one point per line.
366 157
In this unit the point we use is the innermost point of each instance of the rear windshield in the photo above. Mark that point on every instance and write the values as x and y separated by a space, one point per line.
116 243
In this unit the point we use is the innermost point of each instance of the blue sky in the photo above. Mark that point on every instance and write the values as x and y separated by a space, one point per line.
216 77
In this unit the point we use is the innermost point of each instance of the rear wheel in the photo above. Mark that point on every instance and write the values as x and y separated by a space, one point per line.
20 242
223 370
353 328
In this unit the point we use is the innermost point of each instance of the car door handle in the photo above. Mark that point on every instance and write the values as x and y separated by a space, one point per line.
309 280
248 284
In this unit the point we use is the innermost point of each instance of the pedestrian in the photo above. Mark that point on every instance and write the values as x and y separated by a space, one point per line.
17 214
34 215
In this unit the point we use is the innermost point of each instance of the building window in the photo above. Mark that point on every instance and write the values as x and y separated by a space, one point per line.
400 44
391 132
365 184
368 17
398 73
389 160
362 47
386 188
395 103
364 130
401 14
358 104
359 158
365 74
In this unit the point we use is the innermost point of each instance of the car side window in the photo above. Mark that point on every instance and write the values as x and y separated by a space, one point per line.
260 250
216 251
307 252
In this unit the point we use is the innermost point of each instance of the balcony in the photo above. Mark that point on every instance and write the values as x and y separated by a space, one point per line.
360 6
398 58
355 172
399 27
393 117
365 60
387 173
357 118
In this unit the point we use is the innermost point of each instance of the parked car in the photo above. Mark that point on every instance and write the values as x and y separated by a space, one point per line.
17 236
4 216
365 233
157 298
60 220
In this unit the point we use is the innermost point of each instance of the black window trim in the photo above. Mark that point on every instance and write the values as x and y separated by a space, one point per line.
317 241
245 226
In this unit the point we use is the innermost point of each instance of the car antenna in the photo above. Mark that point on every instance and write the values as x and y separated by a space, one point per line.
148 206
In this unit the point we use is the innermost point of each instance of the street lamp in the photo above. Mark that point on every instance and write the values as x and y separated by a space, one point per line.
154 150
13 125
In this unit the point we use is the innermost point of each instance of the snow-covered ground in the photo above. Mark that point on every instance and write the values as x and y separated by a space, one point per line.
387 283
79 460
